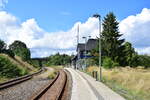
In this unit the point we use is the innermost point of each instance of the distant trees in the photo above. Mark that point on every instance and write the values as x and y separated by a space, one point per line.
143 60
16 48
20 49
59 59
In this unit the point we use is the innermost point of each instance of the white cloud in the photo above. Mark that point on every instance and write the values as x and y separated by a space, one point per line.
3 3
41 41
42 52
136 29
66 39
144 50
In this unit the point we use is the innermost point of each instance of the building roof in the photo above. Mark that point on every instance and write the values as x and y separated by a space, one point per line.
91 44
81 46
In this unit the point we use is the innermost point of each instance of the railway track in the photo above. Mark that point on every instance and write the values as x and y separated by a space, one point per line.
54 90
18 80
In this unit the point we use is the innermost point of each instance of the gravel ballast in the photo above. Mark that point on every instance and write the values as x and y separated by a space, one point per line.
25 90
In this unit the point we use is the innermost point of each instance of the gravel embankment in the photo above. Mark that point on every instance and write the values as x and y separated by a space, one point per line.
24 90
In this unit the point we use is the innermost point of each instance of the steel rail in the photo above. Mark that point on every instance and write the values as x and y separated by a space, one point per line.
54 90
18 80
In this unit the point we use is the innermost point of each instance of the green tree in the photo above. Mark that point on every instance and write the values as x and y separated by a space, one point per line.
144 60
2 46
59 59
111 43
20 49
130 54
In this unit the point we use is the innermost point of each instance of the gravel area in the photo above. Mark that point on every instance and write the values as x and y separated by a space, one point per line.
87 88
24 90
81 90
100 88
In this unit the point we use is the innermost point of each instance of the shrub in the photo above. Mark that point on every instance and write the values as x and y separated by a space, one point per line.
109 63
115 64
52 75
7 69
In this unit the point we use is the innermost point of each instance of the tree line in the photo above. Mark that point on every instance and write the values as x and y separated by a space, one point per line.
18 48
7 68
115 50
59 59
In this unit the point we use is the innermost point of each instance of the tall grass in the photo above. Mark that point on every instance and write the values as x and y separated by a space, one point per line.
10 70
21 64
132 83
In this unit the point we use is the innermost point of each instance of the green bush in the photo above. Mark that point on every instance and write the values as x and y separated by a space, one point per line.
109 63
7 69
52 75
115 64
90 62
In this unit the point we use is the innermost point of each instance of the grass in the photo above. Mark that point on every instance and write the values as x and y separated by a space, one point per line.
9 70
52 75
131 83
25 64
24 67
21 64
3 79
57 67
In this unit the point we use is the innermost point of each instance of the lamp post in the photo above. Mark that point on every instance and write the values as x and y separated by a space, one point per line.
85 48
100 67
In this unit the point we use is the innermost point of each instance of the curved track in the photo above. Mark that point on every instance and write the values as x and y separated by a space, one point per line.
54 90
18 80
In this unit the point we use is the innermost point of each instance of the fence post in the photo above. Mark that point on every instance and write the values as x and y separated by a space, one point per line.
96 76
93 74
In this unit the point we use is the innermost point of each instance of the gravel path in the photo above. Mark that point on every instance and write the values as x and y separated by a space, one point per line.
25 90
103 90
82 83
80 88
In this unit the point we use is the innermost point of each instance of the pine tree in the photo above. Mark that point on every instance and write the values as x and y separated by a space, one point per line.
111 42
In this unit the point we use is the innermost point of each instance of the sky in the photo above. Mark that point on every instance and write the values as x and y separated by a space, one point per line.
50 26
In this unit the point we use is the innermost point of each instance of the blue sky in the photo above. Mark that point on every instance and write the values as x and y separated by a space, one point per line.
54 15
50 26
